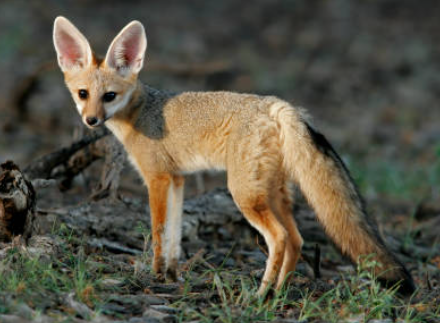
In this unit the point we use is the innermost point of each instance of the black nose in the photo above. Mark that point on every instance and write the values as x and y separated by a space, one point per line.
91 121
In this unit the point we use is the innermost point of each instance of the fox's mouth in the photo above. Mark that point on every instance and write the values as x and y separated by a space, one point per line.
94 126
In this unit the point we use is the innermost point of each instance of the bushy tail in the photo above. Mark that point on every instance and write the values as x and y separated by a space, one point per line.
326 184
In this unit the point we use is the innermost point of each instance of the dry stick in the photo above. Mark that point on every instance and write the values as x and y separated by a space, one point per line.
195 258
43 166
428 281
316 264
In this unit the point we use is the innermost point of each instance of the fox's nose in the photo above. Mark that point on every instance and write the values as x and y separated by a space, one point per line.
92 121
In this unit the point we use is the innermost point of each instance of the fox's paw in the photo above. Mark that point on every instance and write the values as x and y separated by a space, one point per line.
172 270
265 288
159 267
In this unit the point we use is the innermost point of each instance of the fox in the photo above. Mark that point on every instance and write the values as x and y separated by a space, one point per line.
265 145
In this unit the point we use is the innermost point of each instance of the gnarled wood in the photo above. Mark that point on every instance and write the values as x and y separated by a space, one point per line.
17 203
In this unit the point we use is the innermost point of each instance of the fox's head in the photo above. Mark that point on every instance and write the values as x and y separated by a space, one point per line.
100 88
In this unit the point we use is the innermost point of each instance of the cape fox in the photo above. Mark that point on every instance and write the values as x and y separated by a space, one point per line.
263 143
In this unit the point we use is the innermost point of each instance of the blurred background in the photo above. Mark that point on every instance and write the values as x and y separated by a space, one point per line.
367 71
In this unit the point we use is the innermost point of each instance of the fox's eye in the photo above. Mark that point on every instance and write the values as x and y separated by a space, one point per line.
83 94
109 96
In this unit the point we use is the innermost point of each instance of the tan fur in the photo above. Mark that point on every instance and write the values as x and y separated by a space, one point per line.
262 142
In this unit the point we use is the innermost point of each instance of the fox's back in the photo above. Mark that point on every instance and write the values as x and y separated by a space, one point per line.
198 112
197 129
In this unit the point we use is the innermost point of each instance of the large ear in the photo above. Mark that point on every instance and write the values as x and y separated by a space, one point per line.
126 52
73 49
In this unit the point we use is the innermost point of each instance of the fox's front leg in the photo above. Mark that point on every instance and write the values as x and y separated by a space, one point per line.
173 226
158 192
166 197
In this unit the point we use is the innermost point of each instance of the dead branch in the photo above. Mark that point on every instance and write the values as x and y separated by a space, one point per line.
112 246
42 167
77 164
317 262
62 177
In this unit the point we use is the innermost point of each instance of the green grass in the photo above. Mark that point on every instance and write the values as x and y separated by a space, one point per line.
25 276
360 297
233 298
41 281
397 180
227 296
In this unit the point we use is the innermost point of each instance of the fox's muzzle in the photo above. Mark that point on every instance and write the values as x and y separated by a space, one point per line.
93 122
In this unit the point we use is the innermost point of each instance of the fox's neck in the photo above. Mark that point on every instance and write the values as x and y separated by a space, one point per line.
123 122
146 103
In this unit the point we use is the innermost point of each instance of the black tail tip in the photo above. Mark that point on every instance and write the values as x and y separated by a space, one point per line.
404 287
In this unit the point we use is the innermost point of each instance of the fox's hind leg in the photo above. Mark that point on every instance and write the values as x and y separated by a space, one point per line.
256 207
283 204
254 164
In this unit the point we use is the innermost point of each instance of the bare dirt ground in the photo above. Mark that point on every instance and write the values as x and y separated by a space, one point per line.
368 73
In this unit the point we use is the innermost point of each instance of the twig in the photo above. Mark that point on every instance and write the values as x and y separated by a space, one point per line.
428 281
196 257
